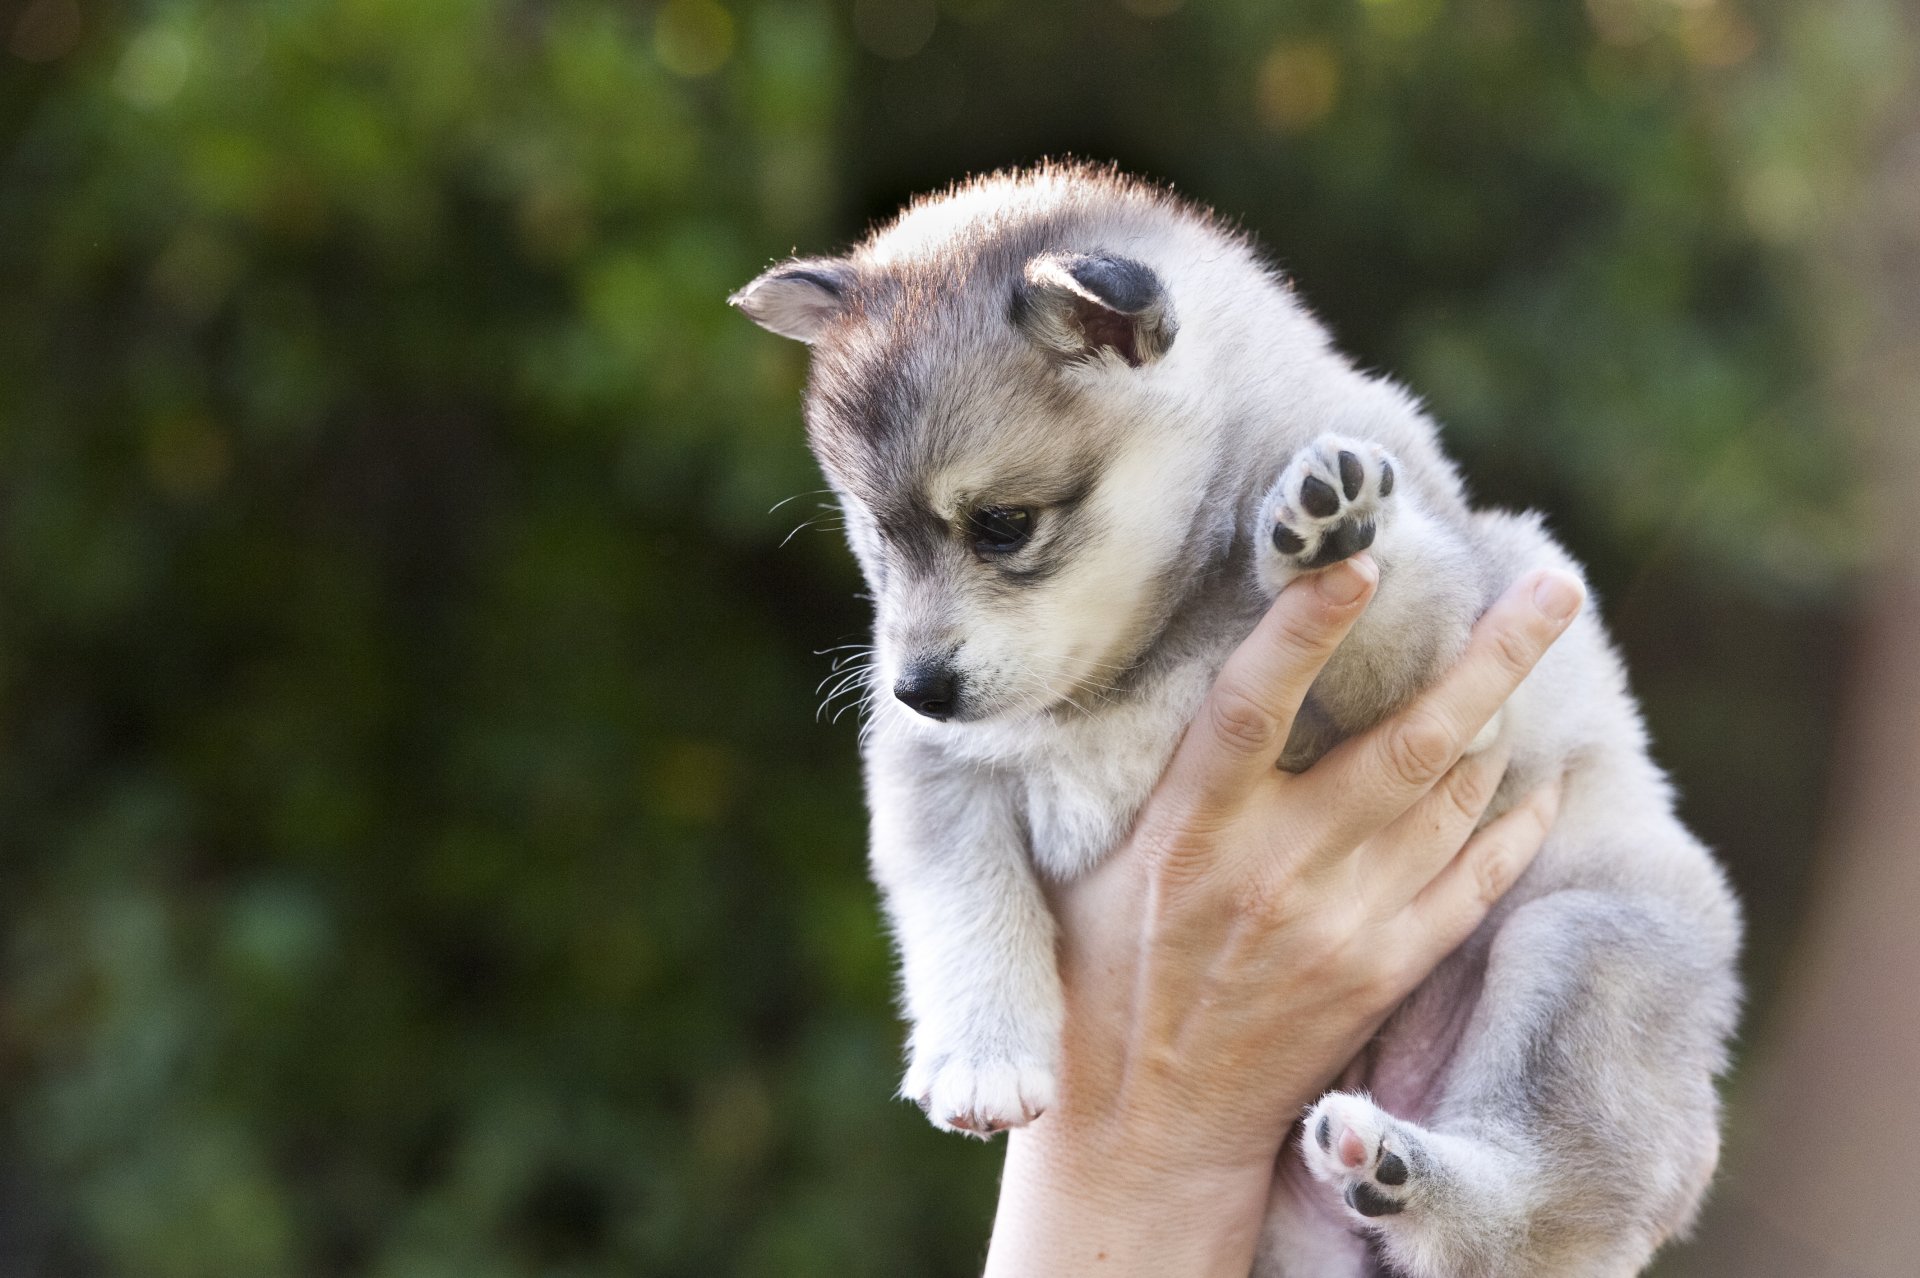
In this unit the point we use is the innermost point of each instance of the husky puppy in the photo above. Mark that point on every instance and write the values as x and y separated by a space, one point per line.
1082 434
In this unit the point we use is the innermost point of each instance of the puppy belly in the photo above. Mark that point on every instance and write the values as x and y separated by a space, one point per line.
1308 1234
1405 1067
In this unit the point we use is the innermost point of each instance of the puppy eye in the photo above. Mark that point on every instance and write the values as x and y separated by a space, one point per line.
999 529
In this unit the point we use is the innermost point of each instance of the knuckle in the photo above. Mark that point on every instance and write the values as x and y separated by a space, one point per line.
1493 871
1178 842
1240 722
1334 934
1302 641
1470 788
1345 956
1382 976
1515 650
1419 748
1170 858
1261 902
1272 902
1324 929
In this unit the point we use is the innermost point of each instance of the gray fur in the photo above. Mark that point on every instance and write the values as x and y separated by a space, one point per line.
798 300
1549 1091
1077 305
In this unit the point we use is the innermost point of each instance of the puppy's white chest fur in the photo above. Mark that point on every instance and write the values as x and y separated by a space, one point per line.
1075 778
1093 772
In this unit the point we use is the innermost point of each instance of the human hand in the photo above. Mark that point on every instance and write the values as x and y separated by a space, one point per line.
1255 929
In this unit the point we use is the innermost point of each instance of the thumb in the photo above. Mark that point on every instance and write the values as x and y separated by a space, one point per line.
1235 740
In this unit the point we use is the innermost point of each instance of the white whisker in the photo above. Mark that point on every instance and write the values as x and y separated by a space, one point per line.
811 492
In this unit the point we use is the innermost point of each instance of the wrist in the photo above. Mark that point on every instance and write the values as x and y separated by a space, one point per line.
1074 1200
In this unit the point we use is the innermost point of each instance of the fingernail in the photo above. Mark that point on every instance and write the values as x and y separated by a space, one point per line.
1341 584
1558 596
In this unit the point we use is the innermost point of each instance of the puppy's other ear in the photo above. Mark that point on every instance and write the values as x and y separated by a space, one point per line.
1076 305
798 299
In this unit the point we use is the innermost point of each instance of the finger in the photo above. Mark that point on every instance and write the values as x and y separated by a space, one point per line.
1242 726
1449 908
1402 859
1368 781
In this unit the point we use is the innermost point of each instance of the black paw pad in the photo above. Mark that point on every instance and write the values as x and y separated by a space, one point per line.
1391 1171
1317 497
1368 1201
1351 475
1343 542
1287 541
1323 1133
1386 478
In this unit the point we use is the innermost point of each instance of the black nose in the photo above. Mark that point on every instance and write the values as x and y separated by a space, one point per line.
931 690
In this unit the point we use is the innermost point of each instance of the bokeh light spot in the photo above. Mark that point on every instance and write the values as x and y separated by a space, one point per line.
692 782
733 1124
556 220
153 69
693 38
188 458
1298 83
46 31
194 273
1714 35
1403 17
895 29
794 185
276 933
1621 23
1778 200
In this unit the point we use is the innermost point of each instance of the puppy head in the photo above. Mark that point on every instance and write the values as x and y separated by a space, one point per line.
1009 438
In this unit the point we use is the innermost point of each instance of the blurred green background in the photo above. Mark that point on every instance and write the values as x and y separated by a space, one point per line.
419 854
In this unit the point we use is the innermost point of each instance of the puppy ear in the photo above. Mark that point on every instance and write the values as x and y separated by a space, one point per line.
798 299
1077 305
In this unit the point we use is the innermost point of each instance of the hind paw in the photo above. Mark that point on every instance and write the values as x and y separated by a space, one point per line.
1363 1152
1328 504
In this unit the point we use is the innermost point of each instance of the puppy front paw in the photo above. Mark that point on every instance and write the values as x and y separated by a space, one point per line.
1328 505
979 1095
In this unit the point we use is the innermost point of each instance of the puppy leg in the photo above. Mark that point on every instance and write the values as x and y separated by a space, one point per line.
976 945
1341 495
1579 1123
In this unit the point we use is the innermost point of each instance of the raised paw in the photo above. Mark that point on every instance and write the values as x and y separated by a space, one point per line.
1359 1149
1328 504
979 1097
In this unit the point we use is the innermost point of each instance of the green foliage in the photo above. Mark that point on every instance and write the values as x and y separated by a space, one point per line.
421 855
